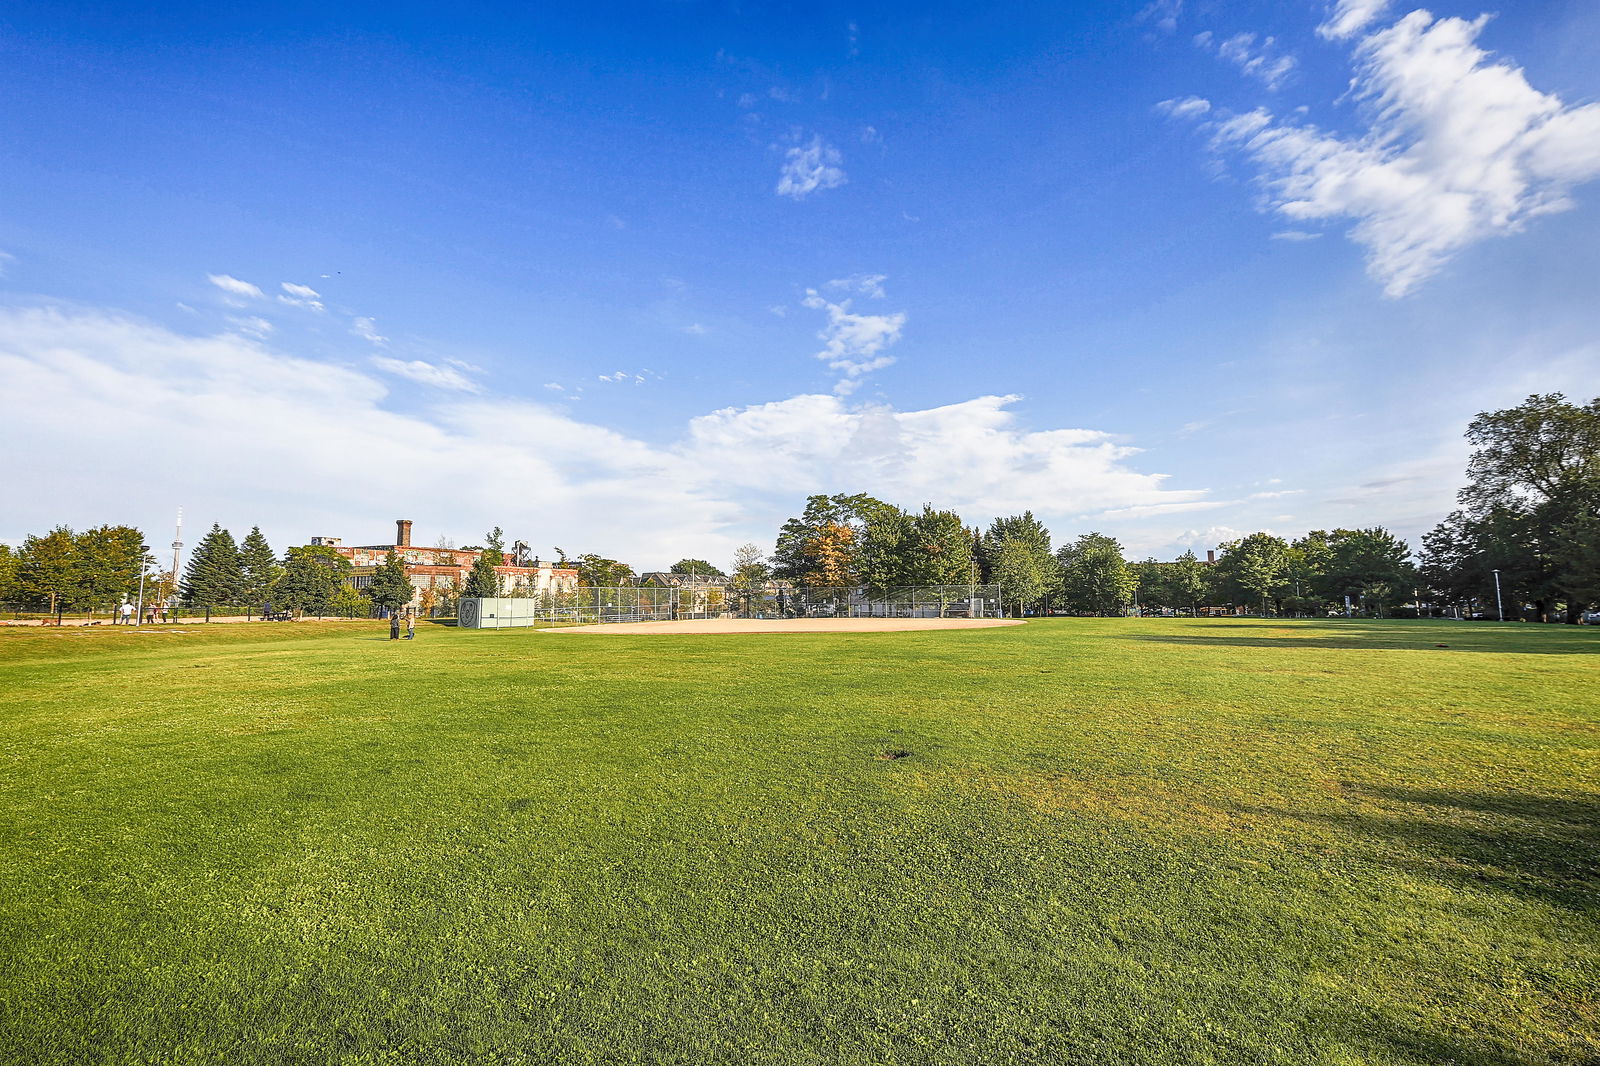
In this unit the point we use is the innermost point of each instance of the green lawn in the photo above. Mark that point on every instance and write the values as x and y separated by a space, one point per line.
1113 841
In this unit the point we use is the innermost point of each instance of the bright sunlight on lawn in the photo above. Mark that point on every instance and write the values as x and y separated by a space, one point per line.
1106 841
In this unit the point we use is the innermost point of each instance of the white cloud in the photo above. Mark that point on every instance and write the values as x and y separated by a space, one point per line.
865 284
241 434
367 330
1295 235
1457 149
234 287
301 296
1254 61
853 344
695 329
809 167
252 325
1164 13
1188 107
424 373
621 376
1349 17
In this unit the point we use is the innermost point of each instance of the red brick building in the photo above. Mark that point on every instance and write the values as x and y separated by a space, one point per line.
444 570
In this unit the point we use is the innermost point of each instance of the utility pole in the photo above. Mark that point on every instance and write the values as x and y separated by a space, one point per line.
1498 605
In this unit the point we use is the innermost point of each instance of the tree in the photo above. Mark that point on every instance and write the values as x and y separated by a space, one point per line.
596 571
349 602
1094 576
750 569
46 570
258 568
1371 566
1190 581
8 574
107 563
1578 553
213 577
481 579
1536 465
1253 569
939 549
391 589
495 546
1015 554
311 576
1023 574
822 548
697 567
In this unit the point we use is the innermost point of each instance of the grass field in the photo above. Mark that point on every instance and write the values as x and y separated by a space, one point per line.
1111 841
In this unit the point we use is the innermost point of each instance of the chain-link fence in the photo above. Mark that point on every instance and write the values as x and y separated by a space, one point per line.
588 606
157 614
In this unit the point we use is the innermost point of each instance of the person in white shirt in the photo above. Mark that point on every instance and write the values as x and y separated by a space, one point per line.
127 613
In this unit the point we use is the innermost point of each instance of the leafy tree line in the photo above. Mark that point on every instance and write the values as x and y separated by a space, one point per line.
95 569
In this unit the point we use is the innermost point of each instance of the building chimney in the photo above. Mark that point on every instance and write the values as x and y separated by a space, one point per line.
1211 556
402 533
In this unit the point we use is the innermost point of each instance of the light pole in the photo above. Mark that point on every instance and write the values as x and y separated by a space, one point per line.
1498 605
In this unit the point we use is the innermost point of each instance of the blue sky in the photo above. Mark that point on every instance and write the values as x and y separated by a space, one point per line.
636 279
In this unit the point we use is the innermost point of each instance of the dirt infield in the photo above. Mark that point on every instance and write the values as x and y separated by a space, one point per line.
786 625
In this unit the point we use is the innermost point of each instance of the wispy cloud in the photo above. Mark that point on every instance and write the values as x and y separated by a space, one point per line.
251 325
234 287
1349 17
1163 14
810 167
864 284
367 330
1261 61
1187 107
1456 148
300 296
425 373
854 344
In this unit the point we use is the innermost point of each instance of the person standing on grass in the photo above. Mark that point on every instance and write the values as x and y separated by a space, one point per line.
411 625
394 626
127 613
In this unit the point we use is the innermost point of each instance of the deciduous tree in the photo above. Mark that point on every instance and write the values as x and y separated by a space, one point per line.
391 589
1094 576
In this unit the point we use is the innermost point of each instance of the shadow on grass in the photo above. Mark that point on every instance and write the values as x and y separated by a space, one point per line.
1538 847
1291 634
1432 1048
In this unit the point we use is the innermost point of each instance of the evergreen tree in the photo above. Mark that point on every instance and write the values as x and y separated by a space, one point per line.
46 570
213 577
481 579
391 589
311 576
495 546
258 568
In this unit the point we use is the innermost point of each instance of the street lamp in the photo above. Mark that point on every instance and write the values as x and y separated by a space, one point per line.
1498 605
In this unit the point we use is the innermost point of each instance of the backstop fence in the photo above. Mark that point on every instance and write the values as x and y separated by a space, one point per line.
587 606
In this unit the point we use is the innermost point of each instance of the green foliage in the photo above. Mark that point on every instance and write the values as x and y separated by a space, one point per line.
482 581
495 546
596 571
1253 570
312 575
695 566
1534 486
47 570
391 589
107 562
258 568
824 546
214 576
348 601
1094 577
938 549
8 574
750 569
1015 553
1371 566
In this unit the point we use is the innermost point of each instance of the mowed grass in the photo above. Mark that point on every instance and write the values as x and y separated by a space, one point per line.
1112 841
